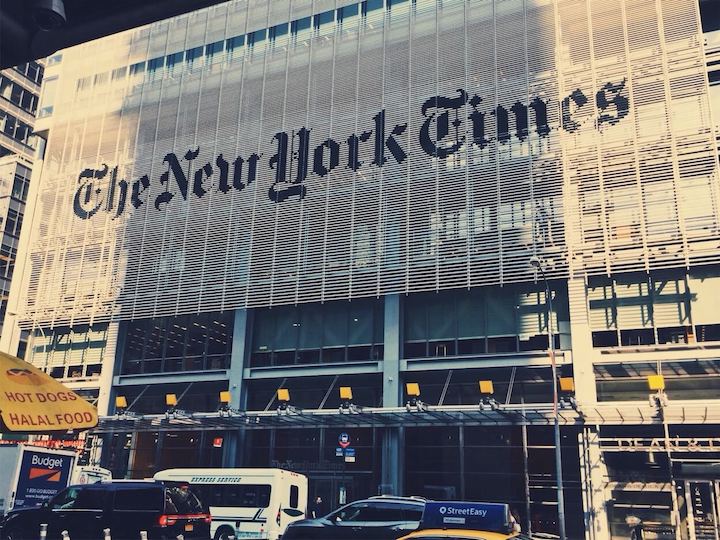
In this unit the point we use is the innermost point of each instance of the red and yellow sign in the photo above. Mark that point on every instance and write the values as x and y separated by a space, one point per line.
33 402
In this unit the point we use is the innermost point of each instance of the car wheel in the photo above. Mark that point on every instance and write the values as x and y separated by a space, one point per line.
14 534
224 533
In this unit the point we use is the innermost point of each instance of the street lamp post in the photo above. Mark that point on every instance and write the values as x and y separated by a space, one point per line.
537 263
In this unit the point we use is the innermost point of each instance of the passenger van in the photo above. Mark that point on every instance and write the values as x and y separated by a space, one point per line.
246 503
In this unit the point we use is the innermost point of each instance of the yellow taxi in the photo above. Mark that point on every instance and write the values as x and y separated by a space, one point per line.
461 534
453 520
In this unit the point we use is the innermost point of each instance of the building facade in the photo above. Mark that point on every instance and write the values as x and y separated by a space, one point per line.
19 100
318 194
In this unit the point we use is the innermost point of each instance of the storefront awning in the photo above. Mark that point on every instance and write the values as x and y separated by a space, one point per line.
33 402
541 414
636 413
625 413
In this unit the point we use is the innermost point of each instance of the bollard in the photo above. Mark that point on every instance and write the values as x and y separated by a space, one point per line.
65 535
43 531
106 534
143 535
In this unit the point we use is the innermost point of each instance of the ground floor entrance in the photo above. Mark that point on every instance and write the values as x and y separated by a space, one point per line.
512 464
669 483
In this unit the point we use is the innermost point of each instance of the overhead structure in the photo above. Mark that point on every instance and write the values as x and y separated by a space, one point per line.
32 29
538 414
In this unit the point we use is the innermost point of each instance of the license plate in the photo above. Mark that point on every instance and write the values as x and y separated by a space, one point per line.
189 526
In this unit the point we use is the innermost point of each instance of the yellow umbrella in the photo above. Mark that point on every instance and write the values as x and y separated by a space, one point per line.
33 402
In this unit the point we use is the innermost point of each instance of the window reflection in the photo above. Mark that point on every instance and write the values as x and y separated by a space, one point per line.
184 343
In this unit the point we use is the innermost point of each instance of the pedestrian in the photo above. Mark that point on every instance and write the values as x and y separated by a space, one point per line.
317 510
637 530
515 521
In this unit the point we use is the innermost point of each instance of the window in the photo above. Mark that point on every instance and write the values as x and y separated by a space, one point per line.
91 498
137 69
8 126
137 499
191 55
13 222
172 60
16 93
21 185
640 336
184 343
154 66
278 31
314 333
83 84
55 59
258 36
30 102
294 496
607 338
6 86
233 46
213 52
345 13
372 512
708 332
300 25
371 5
65 499
182 500
101 78
35 72
247 496
323 19
22 132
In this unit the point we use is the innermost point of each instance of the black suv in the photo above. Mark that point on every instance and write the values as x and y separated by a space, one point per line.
375 518
126 508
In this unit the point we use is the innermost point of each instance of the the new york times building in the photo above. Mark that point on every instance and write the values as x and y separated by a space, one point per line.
312 195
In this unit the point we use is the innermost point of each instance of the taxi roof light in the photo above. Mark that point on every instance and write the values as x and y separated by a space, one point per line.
346 392
170 400
283 394
480 516
121 402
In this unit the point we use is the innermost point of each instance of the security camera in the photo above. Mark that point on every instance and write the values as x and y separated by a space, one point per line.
49 14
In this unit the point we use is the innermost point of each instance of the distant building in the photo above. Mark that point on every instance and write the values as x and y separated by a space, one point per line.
19 101
303 195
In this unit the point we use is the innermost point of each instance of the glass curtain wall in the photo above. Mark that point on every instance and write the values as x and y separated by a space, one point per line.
186 343
487 320
318 333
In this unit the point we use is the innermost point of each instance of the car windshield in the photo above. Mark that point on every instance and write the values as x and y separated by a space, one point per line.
181 500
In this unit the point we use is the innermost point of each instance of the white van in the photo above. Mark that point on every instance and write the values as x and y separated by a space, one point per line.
89 474
246 503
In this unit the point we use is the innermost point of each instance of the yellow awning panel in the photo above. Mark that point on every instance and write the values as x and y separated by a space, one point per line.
33 402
